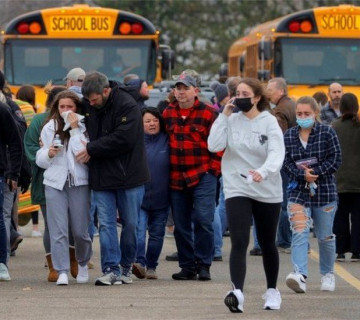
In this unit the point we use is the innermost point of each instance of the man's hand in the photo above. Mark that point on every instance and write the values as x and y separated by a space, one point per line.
12 184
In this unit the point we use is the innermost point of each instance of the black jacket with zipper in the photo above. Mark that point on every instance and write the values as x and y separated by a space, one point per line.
116 147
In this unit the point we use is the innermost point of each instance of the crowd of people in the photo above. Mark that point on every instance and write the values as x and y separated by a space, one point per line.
251 157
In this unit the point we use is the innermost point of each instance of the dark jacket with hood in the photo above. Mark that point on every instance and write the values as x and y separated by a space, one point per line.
116 146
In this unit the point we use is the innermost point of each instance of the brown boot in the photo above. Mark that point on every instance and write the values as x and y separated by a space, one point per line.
53 275
73 263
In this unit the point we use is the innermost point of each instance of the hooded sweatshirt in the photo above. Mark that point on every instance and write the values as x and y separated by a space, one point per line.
249 144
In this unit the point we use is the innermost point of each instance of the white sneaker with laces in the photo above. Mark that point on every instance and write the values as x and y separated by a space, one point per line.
4 273
272 299
296 281
234 300
328 282
83 274
63 279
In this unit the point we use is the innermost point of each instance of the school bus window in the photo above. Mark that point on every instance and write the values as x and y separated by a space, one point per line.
36 57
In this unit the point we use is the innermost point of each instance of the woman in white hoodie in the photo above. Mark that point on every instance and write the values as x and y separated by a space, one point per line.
66 185
253 155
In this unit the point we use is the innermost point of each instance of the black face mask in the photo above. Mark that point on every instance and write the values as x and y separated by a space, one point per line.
244 104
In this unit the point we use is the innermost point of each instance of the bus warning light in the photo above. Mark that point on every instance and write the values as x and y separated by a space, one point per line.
23 28
35 28
294 26
306 26
137 28
125 28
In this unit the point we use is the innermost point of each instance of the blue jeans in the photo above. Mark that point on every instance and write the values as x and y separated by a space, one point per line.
3 241
220 222
256 242
155 222
92 227
127 202
197 205
323 218
284 232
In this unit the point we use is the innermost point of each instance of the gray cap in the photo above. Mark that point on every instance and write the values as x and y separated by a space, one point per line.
186 80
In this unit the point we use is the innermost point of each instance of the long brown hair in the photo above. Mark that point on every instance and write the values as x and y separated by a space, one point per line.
55 114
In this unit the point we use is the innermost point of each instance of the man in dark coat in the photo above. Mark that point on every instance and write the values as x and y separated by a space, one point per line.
117 171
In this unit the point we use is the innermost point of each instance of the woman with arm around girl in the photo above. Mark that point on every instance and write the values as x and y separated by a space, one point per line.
254 153
66 186
312 157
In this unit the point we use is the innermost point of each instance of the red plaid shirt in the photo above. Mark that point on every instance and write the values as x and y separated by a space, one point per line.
189 154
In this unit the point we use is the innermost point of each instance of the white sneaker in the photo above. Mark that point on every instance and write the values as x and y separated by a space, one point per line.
272 299
328 282
36 234
295 281
4 273
63 279
234 300
83 274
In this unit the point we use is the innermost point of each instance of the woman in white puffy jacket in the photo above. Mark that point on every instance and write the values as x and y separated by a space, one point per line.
66 185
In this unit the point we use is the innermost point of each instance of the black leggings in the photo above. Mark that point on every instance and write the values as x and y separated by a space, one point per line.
239 212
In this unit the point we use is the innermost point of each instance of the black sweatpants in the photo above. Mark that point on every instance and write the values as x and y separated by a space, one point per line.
239 212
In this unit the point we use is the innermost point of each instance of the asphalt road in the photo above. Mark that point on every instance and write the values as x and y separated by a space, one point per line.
30 296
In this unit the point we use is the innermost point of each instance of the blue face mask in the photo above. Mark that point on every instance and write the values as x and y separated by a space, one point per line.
305 122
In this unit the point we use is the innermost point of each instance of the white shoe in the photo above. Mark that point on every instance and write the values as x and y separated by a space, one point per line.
83 274
36 234
234 300
4 273
328 282
295 281
272 299
63 279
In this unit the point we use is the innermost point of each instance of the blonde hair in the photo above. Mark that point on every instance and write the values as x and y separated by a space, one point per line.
313 105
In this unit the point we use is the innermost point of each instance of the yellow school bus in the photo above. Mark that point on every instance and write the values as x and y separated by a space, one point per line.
44 45
310 49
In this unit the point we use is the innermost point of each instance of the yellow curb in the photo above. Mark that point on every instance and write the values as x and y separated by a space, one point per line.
340 271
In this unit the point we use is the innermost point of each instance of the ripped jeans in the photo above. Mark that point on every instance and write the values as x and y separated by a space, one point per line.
300 221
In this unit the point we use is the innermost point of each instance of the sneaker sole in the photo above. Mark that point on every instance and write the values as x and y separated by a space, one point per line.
102 283
232 303
294 285
327 289
271 307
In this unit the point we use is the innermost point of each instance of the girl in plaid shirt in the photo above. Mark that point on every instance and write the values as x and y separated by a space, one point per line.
312 157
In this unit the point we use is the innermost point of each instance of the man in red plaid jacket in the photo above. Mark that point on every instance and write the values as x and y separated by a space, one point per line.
192 179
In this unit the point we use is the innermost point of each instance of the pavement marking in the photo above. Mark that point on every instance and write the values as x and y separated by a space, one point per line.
340 271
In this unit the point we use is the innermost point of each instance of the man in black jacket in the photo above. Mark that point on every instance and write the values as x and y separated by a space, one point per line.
9 139
117 171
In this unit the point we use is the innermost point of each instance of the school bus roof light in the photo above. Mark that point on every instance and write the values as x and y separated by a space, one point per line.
35 28
23 28
125 28
294 26
137 28
306 26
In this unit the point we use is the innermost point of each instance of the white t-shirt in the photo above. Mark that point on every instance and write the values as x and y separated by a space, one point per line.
249 144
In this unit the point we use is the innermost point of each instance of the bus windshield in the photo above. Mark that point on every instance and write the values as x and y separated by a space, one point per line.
38 61
318 61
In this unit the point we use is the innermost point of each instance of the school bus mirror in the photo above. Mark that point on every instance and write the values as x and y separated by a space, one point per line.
223 71
264 75
168 59
242 62
265 50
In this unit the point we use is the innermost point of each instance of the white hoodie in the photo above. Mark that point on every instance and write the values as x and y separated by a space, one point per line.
249 144
58 167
